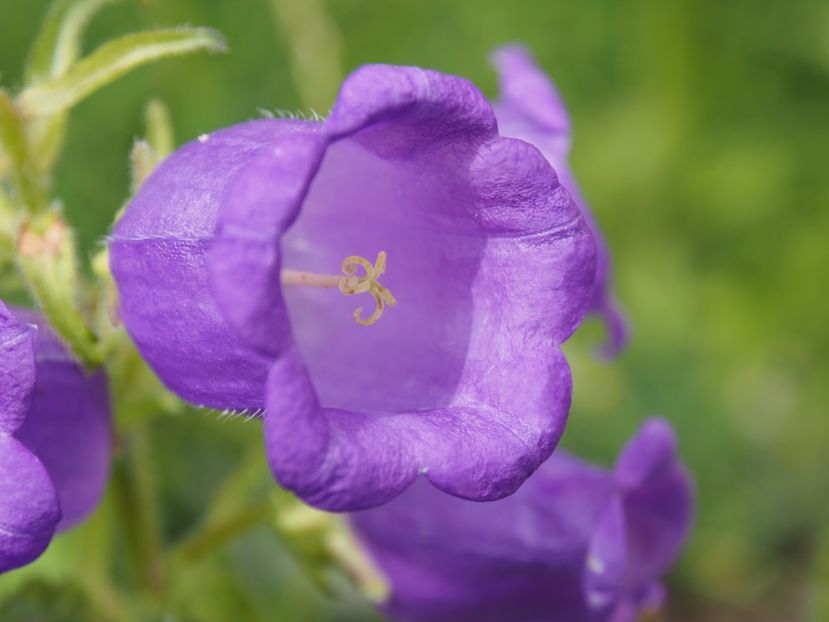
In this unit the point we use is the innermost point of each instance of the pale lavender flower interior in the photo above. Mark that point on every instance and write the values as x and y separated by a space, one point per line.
413 356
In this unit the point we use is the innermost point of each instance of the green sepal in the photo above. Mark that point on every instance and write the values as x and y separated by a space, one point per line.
46 258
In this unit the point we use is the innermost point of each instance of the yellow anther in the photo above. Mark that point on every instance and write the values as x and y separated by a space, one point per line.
352 284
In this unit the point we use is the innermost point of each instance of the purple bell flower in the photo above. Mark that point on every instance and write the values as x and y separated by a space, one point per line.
55 438
531 109
224 258
575 544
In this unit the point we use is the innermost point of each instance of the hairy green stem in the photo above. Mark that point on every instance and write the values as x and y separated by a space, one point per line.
46 258
139 514
30 189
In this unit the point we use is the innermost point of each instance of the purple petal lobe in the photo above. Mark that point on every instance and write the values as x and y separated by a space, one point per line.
658 500
338 459
17 370
29 508
531 109
529 94
401 112
261 203
514 559
69 430
158 254
69 424
604 570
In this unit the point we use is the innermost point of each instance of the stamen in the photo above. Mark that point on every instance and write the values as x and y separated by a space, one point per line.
351 284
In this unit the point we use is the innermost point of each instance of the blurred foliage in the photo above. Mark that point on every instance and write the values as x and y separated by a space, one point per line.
700 141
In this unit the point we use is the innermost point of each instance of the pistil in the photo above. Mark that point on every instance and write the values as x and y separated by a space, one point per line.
350 283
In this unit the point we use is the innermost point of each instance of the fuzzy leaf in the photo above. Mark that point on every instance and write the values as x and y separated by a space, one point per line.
112 60
58 44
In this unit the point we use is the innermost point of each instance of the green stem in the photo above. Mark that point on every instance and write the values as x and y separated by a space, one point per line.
143 469
820 597
230 514
139 514
212 536
31 192
107 601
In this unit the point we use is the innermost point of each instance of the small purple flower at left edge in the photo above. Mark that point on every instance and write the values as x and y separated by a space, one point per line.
530 108
489 261
575 544
55 438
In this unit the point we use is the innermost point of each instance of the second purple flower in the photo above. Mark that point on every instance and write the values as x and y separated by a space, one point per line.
55 438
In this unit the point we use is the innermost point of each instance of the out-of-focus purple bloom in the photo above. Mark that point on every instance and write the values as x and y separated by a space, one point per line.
574 544
531 109
55 438
490 261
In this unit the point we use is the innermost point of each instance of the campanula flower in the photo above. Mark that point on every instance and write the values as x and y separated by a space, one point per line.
530 108
55 438
390 284
575 544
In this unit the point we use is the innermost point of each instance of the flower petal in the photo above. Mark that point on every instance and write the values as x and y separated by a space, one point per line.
69 424
17 370
158 259
348 460
69 430
528 95
548 520
558 549
658 501
29 508
604 570
260 204
516 558
531 109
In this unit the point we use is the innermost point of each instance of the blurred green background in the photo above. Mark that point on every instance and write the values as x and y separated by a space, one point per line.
701 141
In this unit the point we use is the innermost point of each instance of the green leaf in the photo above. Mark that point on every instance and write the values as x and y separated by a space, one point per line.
112 60
56 48
58 44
